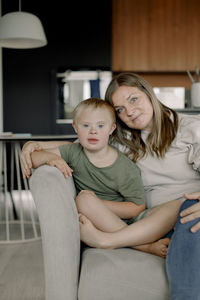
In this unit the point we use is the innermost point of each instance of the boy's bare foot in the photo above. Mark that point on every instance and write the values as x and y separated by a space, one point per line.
91 236
160 247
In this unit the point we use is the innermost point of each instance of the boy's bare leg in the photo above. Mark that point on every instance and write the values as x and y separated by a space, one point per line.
105 220
158 248
156 224
101 217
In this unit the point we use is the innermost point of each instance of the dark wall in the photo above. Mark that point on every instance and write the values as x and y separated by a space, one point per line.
79 36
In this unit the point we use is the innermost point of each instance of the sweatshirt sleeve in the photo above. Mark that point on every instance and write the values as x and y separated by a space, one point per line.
190 136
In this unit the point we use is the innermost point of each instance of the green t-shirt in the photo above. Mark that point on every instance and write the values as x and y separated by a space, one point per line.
120 181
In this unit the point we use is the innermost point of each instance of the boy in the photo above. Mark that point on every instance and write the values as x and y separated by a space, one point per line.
108 184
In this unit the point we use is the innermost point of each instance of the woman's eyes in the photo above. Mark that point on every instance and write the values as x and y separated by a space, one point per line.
85 125
119 110
132 100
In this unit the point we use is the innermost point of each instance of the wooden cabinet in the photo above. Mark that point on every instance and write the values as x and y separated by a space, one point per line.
155 35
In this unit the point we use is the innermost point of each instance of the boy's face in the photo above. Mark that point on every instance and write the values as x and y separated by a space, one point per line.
93 127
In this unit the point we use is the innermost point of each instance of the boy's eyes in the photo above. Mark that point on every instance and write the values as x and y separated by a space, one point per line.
99 125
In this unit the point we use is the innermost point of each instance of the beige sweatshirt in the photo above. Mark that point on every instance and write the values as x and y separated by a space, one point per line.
178 173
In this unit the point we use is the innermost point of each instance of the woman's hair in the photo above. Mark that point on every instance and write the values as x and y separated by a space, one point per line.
165 121
94 103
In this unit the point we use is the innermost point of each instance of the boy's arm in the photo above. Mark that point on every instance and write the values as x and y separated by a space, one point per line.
130 187
31 146
51 158
39 158
125 209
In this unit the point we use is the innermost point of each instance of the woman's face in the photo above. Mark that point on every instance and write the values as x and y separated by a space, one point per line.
133 107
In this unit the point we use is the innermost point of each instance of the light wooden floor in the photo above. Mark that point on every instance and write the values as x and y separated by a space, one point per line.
21 271
21 264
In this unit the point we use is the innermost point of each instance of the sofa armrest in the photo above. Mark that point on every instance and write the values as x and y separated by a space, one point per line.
54 198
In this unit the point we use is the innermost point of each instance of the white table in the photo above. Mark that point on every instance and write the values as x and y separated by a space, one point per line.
18 216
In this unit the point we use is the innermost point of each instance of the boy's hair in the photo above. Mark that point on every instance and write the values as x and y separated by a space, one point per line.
94 103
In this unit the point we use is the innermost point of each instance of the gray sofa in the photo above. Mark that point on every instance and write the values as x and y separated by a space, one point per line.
87 274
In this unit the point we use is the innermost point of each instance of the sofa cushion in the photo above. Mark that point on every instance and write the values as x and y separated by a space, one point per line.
122 274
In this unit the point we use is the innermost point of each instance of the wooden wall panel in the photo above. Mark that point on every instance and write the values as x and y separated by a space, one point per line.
155 35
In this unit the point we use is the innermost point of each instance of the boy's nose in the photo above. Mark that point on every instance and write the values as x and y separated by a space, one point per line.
93 130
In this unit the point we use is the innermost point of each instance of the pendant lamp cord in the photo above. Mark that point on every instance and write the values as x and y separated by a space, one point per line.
20 8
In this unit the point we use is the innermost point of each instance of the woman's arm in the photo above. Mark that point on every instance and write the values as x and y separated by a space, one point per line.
124 210
31 146
192 213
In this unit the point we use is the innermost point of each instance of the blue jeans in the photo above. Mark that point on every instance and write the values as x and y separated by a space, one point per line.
183 260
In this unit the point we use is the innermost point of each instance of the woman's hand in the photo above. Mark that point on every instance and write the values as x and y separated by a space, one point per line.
193 212
25 157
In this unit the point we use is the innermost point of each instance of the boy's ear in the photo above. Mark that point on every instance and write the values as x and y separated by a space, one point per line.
74 126
113 128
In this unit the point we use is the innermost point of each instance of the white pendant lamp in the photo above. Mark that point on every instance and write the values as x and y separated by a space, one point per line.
21 30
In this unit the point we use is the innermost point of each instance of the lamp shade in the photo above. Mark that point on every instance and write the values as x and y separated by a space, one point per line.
21 30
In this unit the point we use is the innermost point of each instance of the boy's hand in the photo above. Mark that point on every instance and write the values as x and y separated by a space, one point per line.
61 165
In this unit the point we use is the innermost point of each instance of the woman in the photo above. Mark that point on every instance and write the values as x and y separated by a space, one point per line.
165 146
